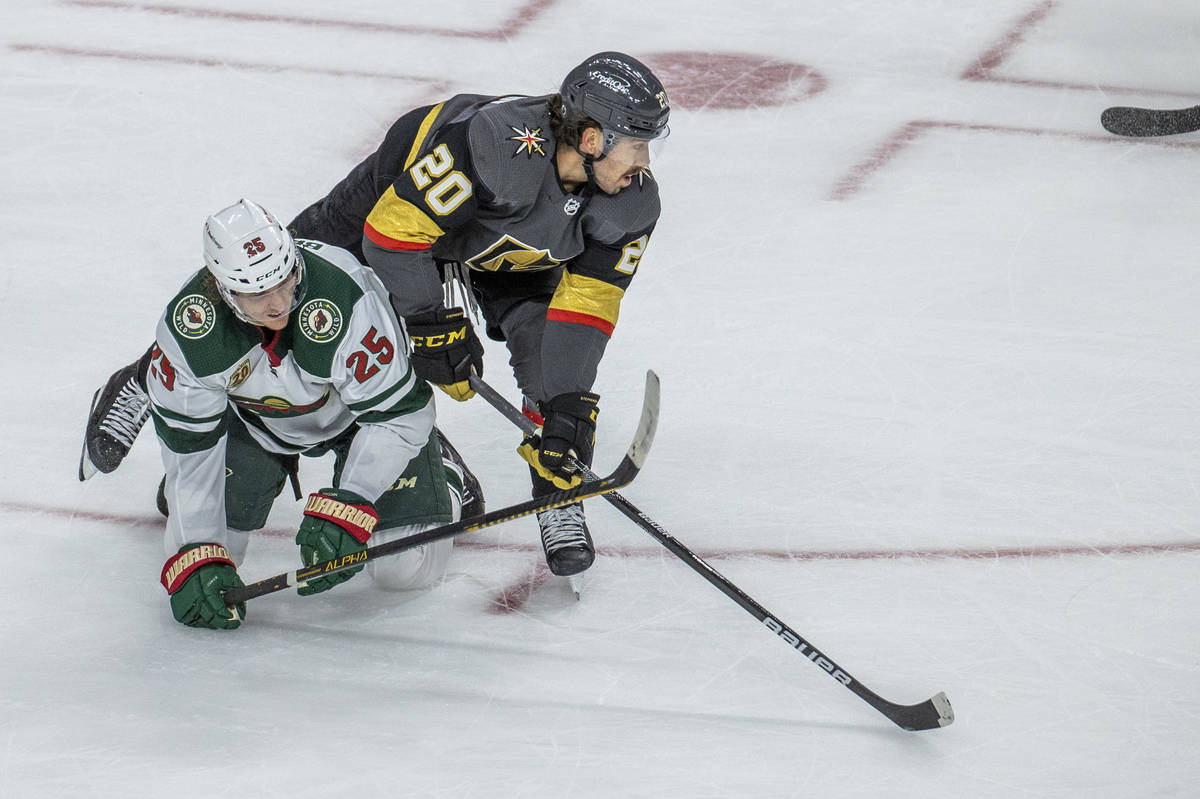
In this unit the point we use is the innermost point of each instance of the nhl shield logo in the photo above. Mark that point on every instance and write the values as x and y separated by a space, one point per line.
193 316
571 206
320 321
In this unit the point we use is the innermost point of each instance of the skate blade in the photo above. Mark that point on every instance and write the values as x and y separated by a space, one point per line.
87 469
575 581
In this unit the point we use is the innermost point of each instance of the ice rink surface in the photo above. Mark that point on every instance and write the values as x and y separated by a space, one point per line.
929 348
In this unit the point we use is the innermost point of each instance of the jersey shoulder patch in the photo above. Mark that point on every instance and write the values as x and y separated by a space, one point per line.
210 337
511 145
320 323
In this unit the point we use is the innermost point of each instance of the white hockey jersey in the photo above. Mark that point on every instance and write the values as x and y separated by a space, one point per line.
341 360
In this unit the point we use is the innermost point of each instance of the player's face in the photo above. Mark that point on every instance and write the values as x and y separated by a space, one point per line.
271 308
621 166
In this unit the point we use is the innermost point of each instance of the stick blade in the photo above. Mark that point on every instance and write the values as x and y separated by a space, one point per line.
643 439
1143 122
931 714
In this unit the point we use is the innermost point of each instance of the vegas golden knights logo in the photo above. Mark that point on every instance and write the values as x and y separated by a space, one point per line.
512 255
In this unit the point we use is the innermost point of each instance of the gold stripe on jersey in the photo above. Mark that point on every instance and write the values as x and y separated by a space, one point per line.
586 301
396 224
422 132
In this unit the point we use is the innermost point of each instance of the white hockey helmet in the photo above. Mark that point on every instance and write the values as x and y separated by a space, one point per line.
249 253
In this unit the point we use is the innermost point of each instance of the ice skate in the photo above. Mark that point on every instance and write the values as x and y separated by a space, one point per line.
472 492
119 410
566 540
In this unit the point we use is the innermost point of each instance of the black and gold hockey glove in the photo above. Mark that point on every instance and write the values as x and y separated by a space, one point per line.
445 350
568 435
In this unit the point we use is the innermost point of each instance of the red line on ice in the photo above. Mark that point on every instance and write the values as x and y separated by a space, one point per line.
886 152
984 67
217 62
958 553
517 21
513 597
999 52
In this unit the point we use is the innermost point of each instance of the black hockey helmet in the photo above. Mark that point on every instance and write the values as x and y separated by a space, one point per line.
618 92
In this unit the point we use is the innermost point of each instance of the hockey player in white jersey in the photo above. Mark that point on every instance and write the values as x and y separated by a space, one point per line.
278 348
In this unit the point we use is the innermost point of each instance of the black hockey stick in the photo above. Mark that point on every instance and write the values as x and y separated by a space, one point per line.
593 486
930 714
1127 121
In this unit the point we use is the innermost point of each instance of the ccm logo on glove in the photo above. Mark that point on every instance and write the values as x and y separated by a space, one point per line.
446 339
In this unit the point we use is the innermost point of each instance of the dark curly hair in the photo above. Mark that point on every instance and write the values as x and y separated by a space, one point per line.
568 132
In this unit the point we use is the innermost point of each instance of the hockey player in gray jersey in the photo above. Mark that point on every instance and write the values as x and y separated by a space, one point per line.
277 348
542 208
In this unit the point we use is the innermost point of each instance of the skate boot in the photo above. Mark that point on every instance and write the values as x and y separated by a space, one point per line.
472 493
119 410
565 537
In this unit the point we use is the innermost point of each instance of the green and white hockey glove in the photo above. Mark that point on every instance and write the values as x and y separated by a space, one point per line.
336 525
568 432
195 579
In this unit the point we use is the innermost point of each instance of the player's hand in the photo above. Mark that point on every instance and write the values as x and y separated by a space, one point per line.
568 437
196 578
445 350
336 525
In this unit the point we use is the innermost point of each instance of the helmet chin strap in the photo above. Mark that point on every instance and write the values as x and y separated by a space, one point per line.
588 161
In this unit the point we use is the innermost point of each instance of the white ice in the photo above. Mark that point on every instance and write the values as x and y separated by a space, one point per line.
884 355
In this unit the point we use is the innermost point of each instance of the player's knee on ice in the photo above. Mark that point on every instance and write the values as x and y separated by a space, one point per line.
415 568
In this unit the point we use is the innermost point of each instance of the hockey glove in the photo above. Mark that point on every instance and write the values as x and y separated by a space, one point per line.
568 435
195 579
337 525
445 350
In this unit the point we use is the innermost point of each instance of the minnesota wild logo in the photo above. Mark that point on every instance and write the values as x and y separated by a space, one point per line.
277 407
320 320
193 316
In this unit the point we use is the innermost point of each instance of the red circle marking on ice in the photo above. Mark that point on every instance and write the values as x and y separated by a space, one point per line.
732 81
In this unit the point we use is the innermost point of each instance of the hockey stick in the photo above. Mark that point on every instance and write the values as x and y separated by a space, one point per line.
1127 121
930 714
593 486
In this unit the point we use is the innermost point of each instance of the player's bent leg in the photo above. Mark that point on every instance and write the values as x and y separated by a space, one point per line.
253 479
430 491
414 568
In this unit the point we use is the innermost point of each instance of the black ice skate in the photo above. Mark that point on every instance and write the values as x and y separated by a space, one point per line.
472 493
119 410
565 537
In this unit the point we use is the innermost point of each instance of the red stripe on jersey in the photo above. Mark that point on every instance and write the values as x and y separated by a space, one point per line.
559 315
389 243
